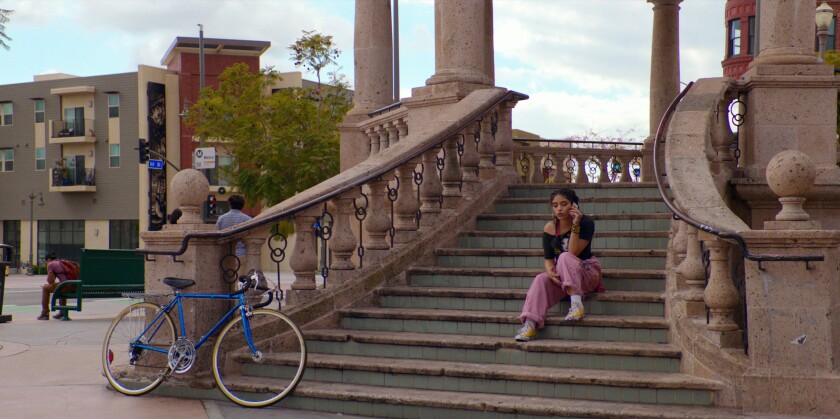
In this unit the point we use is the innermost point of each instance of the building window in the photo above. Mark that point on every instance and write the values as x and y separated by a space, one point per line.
74 122
64 237
830 41
7 160
39 110
213 174
6 109
40 158
113 105
114 154
734 47
11 236
751 39
124 234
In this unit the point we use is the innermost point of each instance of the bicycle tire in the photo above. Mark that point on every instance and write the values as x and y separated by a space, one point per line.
261 382
133 371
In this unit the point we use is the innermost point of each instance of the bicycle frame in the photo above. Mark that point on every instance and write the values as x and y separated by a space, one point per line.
176 301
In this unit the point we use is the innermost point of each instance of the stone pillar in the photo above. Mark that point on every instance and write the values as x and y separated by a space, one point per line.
787 33
486 168
342 242
721 296
374 141
470 159
692 275
431 189
536 171
451 176
461 36
378 218
304 257
373 76
664 71
504 138
583 171
406 205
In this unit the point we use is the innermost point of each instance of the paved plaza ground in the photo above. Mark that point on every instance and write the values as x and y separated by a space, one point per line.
53 368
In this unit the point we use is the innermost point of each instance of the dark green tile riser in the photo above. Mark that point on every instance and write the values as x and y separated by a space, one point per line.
611 284
494 261
551 331
497 356
513 224
584 192
618 308
536 242
589 208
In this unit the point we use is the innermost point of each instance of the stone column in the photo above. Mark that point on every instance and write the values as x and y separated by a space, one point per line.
461 42
664 71
787 33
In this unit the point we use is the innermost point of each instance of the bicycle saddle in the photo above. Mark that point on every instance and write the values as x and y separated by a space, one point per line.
178 283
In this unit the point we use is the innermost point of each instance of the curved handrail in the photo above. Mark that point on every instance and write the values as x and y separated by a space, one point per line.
678 214
374 174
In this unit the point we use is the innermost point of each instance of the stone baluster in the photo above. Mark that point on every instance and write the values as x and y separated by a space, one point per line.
431 189
304 260
383 137
486 167
402 129
678 242
378 219
406 206
537 166
693 274
603 164
625 169
504 139
583 171
470 159
342 242
451 176
393 133
374 141
720 295
253 245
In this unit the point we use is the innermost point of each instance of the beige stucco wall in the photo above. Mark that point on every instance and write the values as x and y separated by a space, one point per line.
25 239
96 234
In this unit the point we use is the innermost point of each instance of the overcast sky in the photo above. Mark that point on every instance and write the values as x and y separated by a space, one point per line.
584 63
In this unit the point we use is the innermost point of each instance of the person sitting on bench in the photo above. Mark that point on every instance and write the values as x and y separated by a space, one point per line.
55 276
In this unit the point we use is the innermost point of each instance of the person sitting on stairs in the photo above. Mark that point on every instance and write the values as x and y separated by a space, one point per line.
570 268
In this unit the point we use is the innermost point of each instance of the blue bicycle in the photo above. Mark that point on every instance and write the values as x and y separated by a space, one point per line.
142 347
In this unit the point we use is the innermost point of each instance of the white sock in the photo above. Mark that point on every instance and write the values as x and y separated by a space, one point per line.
576 299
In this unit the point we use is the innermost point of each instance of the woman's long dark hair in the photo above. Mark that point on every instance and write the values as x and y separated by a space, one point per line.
567 193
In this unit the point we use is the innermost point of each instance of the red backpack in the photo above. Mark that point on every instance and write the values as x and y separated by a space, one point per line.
71 269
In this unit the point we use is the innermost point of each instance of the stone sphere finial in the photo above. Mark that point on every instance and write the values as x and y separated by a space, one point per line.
791 175
189 187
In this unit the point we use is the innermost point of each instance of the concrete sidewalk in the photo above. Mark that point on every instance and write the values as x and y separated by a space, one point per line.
53 369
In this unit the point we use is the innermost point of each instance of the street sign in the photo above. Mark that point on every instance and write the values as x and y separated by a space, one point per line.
155 164
204 158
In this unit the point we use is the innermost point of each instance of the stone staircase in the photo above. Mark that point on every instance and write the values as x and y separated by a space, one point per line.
442 346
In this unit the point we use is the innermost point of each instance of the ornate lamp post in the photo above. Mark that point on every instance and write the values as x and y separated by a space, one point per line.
823 18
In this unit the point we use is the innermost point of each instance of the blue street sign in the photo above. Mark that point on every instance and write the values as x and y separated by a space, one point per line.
155 164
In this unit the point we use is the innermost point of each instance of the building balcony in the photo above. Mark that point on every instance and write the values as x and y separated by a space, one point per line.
72 180
72 132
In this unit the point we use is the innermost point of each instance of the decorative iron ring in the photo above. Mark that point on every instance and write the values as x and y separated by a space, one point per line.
230 274
460 145
494 123
418 176
361 212
549 163
393 193
737 118
278 254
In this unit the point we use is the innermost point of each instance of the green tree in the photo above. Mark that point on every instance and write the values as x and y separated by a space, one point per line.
4 18
282 142
833 57
314 52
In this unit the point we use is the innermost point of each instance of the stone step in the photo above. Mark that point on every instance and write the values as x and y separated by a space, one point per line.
396 402
533 239
603 222
497 350
533 258
509 379
621 303
649 280
594 205
644 329
587 190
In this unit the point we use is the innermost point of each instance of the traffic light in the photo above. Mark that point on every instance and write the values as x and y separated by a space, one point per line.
211 204
143 147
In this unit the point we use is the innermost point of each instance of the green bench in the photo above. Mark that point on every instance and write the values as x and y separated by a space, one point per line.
102 274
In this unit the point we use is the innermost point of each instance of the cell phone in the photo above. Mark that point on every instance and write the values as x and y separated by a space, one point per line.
576 205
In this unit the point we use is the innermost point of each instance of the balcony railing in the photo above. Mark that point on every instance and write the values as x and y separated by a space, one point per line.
72 180
76 131
575 161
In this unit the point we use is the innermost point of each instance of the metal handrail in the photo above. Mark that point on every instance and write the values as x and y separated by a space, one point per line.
679 215
385 109
560 140
510 95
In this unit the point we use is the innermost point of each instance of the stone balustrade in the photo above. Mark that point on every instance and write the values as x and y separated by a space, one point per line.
385 128
555 161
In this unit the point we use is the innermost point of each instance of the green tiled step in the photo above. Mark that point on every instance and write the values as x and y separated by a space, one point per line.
533 258
648 280
533 239
620 303
642 189
497 350
490 323
596 205
603 222
398 403
522 380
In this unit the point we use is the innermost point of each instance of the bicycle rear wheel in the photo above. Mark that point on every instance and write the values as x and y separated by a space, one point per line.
265 378
131 370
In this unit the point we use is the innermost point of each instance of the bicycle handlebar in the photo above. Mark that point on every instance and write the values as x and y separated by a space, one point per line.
248 281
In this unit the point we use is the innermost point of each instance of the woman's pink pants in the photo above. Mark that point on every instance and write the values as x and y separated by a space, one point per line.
577 277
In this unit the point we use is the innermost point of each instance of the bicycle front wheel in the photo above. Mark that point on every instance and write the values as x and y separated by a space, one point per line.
264 377
130 369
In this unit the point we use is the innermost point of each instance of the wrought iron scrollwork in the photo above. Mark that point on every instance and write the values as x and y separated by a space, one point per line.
525 165
636 165
737 111
418 180
592 168
460 146
570 167
230 264
440 164
477 133
393 194
323 231
361 213
616 169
